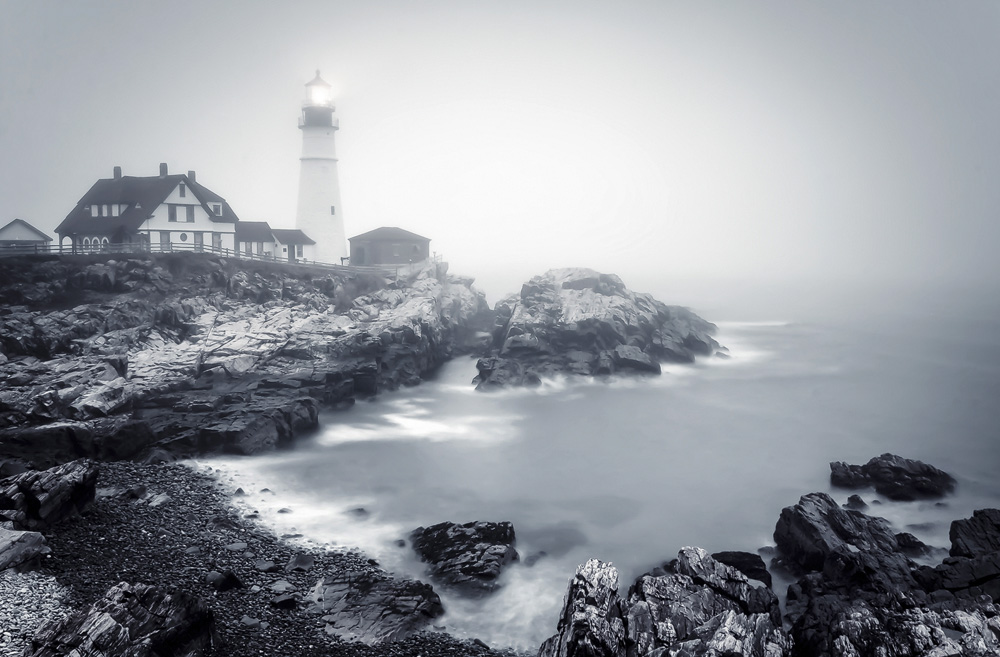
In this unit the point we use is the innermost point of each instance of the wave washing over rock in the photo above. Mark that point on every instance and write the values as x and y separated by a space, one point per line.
579 321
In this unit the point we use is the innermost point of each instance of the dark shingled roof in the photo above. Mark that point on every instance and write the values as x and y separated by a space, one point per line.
389 234
291 236
142 195
253 231
22 222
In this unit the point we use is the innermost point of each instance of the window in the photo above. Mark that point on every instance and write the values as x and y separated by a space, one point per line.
184 237
171 213
104 210
217 209
164 239
260 247
115 209
246 247
182 190
333 210
199 240
93 211
190 214
216 240
298 250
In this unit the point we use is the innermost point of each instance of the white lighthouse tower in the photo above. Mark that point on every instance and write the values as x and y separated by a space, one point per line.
319 214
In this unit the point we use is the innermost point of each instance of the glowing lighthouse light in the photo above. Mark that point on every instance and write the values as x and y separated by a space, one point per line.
319 91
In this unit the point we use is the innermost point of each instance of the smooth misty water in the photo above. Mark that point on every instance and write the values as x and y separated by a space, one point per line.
630 470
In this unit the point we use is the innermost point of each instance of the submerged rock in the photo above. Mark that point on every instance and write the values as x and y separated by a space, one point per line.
894 476
135 620
468 558
579 321
371 608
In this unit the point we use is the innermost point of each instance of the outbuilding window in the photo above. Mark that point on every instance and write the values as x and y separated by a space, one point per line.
182 190
190 214
171 213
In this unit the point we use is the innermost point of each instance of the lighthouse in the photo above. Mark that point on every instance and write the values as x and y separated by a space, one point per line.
319 214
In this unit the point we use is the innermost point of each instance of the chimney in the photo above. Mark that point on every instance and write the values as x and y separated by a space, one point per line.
191 176
163 169
118 173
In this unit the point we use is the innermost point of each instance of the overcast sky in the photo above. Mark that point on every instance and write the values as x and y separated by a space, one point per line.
752 141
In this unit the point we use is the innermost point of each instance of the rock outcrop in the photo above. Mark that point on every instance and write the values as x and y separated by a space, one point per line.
36 500
468 558
860 596
694 606
370 607
973 569
181 354
131 619
895 477
578 321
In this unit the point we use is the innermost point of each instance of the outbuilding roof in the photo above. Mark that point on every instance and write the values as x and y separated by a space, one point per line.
22 222
389 234
253 231
291 236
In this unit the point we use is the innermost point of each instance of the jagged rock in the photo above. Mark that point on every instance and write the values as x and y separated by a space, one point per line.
578 321
469 557
19 548
862 597
894 476
976 536
816 531
130 620
751 565
371 608
36 500
693 606
591 623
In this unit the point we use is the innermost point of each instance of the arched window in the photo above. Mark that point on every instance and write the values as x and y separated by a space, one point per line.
104 243
86 243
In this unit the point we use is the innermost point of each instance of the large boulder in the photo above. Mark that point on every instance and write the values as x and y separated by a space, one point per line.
579 321
371 608
895 477
36 500
469 557
976 536
131 620
19 549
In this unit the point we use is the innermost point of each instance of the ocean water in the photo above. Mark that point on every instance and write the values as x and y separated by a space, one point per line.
629 470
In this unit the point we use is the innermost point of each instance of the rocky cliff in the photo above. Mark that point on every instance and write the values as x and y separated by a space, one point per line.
189 353
579 321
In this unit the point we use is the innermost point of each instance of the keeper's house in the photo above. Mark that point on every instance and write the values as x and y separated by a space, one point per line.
389 246
164 210
19 234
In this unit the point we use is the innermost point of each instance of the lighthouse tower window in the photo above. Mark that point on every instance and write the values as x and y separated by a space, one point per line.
333 210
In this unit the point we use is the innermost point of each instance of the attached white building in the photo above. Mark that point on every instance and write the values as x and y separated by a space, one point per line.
164 210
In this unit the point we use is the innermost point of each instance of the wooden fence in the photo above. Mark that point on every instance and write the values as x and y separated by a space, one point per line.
184 247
